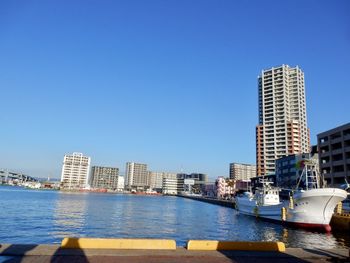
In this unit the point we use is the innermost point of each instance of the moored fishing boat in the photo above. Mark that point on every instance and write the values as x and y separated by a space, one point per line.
310 206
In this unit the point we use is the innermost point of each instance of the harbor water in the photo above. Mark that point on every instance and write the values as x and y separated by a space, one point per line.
45 217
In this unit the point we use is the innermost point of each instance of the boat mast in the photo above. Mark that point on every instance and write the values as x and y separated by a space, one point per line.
311 175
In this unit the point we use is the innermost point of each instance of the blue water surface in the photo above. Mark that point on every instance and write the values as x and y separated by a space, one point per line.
45 217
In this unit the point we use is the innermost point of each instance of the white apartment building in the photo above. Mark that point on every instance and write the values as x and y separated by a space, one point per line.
282 128
240 171
136 176
120 186
170 186
75 171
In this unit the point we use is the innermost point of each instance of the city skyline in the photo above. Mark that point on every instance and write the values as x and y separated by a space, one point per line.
171 84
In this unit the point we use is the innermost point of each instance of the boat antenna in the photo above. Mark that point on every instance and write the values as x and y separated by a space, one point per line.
345 186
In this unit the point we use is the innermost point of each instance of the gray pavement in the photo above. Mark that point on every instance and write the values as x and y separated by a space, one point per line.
53 253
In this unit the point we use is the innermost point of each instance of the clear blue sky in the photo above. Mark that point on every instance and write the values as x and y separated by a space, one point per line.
169 83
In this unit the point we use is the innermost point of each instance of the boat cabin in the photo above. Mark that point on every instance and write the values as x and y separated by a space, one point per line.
267 195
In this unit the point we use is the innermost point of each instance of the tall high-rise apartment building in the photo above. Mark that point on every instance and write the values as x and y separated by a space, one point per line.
240 171
282 128
75 171
104 177
136 176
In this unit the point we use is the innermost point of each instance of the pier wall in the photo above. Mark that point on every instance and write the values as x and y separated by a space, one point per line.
227 203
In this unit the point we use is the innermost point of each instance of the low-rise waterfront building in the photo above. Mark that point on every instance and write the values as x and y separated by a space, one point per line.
199 181
75 171
289 169
172 186
156 179
241 171
243 185
334 155
104 177
210 189
225 187
121 183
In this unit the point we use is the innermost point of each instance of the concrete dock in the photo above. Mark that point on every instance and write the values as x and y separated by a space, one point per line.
226 203
54 253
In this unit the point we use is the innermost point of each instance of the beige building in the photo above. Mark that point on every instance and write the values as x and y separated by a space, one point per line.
156 179
75 171
104 177
136 176
282 128
240 171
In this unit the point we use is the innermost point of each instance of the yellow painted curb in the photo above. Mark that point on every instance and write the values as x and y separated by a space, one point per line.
235 245
110 243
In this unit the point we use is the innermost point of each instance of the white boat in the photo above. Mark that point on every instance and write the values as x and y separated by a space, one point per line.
264 203
311 207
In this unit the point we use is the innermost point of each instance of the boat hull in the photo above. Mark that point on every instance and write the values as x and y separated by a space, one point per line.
250 207
312 209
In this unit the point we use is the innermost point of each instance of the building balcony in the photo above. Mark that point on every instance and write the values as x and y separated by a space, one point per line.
336 140
339 162
339 174
324 150
323 141
337 151
327 175
325 165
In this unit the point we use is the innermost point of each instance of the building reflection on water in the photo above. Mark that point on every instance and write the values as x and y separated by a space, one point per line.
100 215
250 228
69 214
302 238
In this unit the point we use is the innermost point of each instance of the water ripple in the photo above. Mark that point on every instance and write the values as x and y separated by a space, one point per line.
30 216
